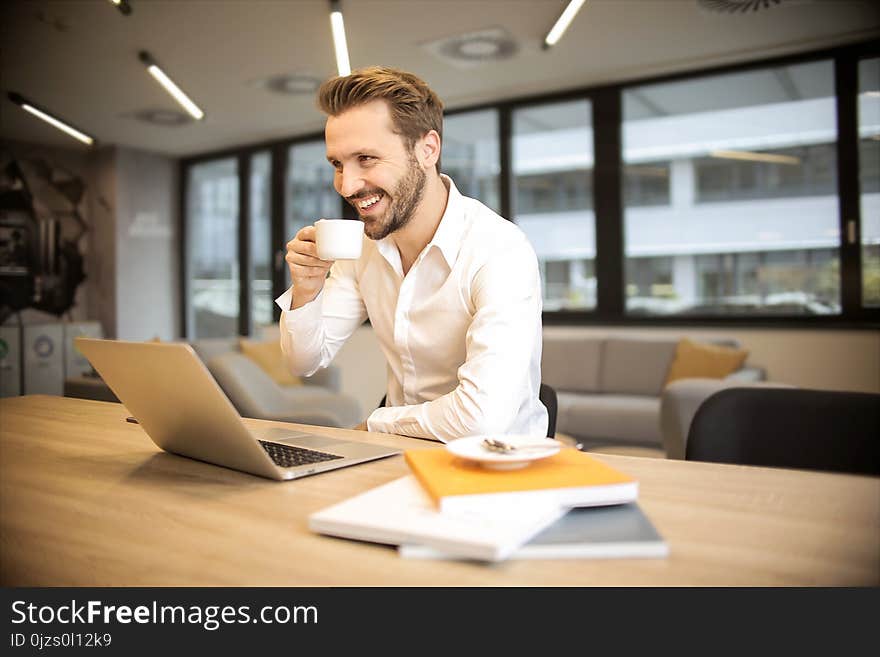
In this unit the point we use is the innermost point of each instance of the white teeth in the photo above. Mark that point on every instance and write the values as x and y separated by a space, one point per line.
368 202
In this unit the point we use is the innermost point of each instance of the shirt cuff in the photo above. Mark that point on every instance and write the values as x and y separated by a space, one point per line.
284 300
309 311
403 421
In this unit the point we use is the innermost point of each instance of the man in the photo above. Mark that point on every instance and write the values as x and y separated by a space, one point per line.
451 289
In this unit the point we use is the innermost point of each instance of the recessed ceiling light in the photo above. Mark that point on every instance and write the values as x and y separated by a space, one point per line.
122 6
340 43
176 92
49 118
562 23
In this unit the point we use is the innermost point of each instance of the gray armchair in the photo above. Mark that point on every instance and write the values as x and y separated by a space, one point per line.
680 400
255 394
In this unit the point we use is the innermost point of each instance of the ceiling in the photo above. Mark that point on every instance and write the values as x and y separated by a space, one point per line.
79 58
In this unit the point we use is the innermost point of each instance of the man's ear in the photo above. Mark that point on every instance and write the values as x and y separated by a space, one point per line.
428 149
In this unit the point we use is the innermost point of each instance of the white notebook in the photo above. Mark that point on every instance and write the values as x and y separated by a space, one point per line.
602 532
401 512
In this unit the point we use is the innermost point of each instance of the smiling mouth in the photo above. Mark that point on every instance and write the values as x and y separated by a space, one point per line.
369 201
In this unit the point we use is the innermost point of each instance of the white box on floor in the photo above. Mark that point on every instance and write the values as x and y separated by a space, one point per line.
43 346
75 364
10 361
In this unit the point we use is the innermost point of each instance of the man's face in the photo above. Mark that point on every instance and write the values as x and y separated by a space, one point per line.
375 170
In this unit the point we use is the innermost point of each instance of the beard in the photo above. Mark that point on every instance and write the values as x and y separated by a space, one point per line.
405 198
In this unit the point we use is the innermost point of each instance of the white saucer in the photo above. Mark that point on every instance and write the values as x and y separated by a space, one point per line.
471 449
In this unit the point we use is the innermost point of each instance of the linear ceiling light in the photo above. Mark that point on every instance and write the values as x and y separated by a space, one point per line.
123 6
756 157
562 23
337 25
170 87
28 106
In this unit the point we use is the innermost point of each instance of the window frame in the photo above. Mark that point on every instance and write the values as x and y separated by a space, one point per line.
607 122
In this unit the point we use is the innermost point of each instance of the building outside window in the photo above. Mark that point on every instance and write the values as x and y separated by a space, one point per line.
212 239
309 193
646 183
471 156
260 239
552 153
869 178
728 183
751 221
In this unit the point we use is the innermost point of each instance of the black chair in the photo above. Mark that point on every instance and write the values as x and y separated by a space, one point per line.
547 395
789 428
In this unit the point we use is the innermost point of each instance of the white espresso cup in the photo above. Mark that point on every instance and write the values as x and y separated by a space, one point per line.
339 239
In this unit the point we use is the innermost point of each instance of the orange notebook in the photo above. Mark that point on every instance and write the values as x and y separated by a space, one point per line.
570 478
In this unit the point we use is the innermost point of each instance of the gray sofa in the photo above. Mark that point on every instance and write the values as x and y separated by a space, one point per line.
255 394
609 389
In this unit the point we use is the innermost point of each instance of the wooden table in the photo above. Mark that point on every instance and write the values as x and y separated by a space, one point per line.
86 499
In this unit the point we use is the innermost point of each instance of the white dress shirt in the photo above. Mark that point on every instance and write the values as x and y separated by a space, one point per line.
461 331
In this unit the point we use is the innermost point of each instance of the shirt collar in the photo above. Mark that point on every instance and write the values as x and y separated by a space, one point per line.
447 238
450 232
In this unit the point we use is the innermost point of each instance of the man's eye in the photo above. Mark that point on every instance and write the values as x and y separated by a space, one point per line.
366 158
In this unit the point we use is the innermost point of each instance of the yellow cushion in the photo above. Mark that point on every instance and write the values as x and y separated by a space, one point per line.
270 359
709 361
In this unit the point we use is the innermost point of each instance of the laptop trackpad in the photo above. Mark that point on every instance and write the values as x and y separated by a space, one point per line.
299 438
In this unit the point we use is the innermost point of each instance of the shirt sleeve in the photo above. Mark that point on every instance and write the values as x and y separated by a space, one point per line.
312 334
501 341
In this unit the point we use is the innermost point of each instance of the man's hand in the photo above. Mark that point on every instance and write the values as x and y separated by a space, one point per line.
307 271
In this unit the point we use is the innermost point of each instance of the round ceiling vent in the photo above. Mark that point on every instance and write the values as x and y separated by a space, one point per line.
292 84
474 48
479 48
737 6
163 117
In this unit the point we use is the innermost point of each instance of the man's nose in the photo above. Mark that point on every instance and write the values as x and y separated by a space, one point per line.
349 183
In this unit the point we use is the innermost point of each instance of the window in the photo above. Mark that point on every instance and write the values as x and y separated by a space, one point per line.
471 156
646 183
261 240
212 239
869 178
783 173
309 193
749 221
552 153
717 198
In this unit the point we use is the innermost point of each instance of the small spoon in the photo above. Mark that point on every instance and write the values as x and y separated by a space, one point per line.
495 445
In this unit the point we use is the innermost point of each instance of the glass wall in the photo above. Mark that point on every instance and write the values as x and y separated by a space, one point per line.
728 197
212 242
869 178
552 188
471 156
308 193
260 222
730 194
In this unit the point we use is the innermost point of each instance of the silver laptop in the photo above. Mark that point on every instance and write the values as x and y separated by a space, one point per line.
176 400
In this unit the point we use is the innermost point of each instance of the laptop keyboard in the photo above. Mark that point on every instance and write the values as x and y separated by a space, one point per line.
288 456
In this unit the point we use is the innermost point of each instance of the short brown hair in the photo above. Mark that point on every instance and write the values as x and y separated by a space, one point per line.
415 108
